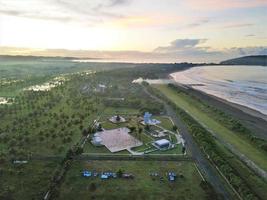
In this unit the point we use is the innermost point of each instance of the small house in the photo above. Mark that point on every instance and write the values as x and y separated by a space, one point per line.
163 143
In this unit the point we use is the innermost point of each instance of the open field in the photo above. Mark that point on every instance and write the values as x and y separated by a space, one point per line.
25 181
189 105
165 122
17 73
50 124
143 186
176 150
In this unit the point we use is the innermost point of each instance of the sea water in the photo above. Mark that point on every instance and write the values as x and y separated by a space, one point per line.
244 85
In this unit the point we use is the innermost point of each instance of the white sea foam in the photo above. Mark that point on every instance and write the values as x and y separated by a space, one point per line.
244 85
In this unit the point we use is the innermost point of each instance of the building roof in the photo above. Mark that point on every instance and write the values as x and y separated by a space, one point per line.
162 142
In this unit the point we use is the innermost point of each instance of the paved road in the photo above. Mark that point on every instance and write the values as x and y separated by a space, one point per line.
209 172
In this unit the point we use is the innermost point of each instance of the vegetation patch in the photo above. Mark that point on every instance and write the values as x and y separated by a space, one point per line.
142 186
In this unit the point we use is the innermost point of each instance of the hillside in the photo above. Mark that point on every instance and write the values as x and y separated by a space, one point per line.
247 60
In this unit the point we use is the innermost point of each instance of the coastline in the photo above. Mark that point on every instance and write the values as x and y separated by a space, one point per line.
243 86
243 108
253 119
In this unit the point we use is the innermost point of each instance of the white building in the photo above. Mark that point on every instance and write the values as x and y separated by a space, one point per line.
96 140
163 143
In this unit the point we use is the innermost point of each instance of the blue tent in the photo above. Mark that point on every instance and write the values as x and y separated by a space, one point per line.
87 173
171 176
104 176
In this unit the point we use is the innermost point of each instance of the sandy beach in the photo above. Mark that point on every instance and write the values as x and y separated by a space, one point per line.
253 119
241 85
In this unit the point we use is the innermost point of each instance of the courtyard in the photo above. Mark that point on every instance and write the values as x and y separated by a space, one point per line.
118 139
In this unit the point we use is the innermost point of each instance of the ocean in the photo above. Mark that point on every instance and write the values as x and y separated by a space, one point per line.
244 85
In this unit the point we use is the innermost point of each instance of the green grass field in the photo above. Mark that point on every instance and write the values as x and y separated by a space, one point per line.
109 125
143 186
25 181
175 150
165 122
189 105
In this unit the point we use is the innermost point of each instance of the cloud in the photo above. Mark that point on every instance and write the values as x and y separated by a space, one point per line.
33 15
64 10
247 51
238 25
193 50
181 44
250 35
185 53
197 23
223 4
112 3
100 8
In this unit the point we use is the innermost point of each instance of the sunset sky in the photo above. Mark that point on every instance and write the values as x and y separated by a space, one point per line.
141 30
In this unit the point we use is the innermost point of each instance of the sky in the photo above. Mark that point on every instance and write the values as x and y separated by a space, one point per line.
136 30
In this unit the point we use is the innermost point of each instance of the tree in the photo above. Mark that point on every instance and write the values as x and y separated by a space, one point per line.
99 127
78 150
92 187
85 132
91 130
183 150
118 118
132 129
119 173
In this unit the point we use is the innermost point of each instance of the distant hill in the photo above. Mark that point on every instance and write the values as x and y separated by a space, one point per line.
20 57
247 60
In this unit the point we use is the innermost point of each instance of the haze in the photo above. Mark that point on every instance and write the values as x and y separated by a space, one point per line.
138 30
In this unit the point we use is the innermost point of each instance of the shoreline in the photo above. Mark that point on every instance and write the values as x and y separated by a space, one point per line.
244 108
253 119
241 107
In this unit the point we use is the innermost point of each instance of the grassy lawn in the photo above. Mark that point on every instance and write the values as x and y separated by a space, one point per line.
25 181
141 148
143 186
90 148
109 125
165 122
176 150
173 138
145 138
188 104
